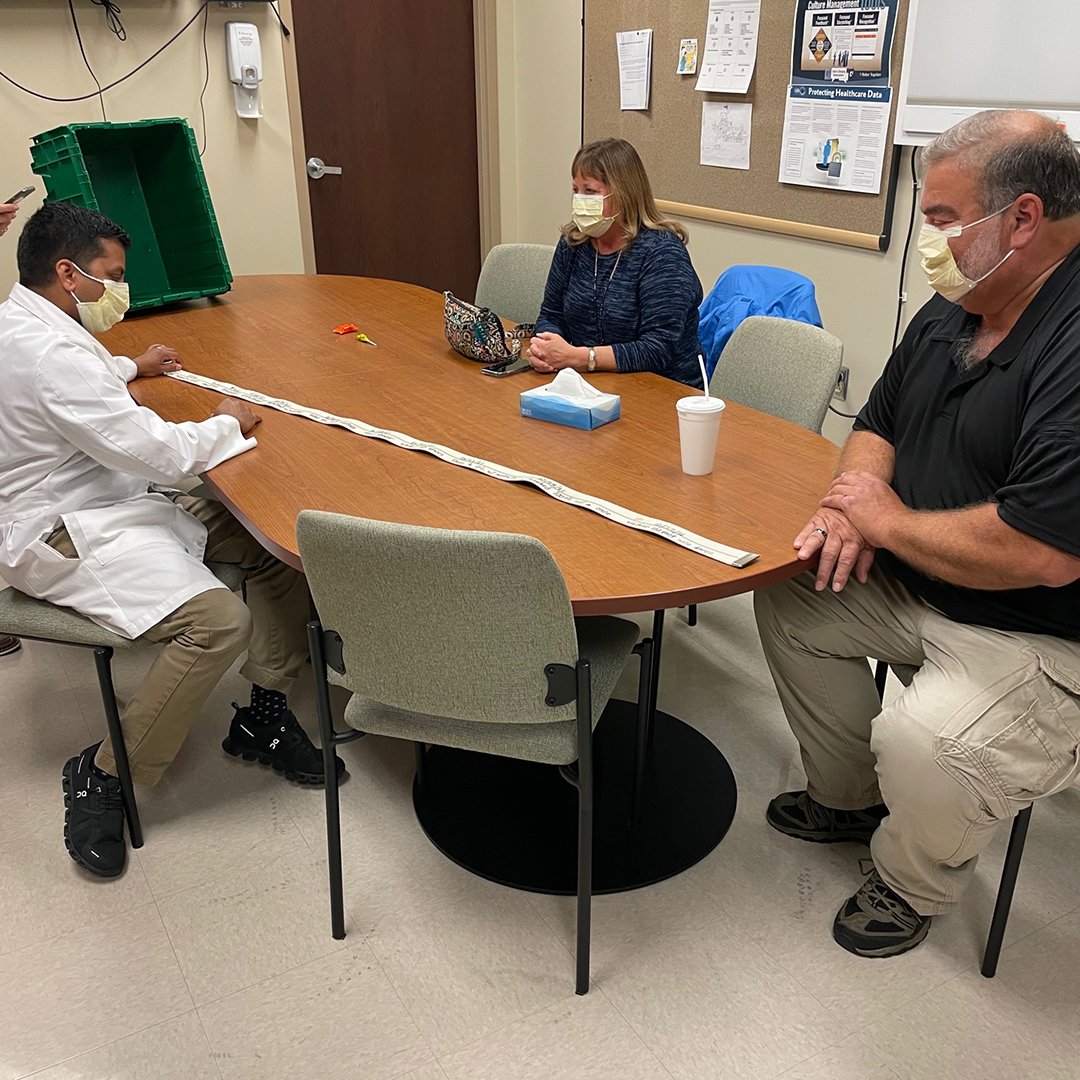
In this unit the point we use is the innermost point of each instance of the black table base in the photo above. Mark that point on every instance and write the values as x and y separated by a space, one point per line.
515 822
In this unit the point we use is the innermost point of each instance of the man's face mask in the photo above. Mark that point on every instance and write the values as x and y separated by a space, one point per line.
587 213
108 309
940 266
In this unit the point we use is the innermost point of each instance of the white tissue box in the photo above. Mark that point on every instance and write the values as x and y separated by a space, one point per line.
568 399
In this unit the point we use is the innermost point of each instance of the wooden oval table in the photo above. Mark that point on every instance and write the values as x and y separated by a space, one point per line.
510 821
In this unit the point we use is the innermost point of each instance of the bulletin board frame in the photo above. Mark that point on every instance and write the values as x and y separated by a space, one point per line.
667 134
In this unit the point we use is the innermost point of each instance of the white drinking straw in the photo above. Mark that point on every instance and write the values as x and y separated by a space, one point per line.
704 377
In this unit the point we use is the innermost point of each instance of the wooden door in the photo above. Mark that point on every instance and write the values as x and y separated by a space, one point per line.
388 94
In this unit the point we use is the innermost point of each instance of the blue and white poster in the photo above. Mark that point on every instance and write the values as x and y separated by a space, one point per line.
836 117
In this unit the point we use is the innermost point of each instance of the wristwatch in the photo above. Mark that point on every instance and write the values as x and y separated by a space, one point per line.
592 359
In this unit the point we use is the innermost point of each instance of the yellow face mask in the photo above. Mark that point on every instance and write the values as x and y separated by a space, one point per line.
939 264
587 214
108 309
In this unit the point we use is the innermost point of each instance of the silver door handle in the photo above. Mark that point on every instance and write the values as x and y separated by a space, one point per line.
317 168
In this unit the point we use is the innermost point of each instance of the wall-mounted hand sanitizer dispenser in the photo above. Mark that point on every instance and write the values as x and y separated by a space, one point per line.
245 66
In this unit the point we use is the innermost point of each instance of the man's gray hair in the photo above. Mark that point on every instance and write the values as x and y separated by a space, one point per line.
1015 153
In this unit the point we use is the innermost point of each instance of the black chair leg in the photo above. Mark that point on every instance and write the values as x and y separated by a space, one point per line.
881 674
333 815
691 615
657 645
585 826
644 649
103 663
580 774
1009 872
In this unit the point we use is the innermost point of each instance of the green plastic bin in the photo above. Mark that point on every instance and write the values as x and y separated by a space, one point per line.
147 177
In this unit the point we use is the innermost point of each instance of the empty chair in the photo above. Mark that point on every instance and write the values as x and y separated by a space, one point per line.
460 639
782 367
779 366
512 280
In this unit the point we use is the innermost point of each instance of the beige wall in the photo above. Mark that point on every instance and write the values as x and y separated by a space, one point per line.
540 109
539 114
251 173
248 163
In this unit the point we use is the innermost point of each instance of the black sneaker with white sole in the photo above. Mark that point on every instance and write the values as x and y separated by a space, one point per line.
282 745
93 816
878 922
798 814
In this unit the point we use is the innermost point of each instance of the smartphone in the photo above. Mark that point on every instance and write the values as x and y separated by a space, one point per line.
507 367
21 194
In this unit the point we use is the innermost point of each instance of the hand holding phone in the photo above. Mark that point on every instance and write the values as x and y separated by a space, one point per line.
9 209
20 195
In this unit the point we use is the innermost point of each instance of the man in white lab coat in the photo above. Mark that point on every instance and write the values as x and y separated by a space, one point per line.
84 525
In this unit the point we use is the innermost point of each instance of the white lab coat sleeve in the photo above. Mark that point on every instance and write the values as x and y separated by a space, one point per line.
128 368
90 406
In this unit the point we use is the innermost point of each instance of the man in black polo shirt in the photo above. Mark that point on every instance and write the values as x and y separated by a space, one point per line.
954 523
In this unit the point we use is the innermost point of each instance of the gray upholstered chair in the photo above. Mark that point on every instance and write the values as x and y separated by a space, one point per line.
460 639
780 366
512 280
38 620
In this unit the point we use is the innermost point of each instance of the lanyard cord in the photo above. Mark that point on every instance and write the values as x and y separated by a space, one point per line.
599 312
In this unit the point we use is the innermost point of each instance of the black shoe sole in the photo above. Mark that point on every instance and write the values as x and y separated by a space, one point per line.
816 837
850 943
97 871
271 762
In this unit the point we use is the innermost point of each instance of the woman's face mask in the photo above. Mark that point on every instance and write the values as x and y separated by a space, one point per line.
108 309
940 266
587 214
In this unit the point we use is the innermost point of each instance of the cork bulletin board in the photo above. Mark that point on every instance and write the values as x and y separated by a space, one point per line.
667 134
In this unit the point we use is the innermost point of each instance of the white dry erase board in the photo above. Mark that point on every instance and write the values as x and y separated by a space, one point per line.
961 56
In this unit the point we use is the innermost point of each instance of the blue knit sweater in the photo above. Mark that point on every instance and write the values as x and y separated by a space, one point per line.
647 312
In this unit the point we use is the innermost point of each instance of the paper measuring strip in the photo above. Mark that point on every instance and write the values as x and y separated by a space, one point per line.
701 545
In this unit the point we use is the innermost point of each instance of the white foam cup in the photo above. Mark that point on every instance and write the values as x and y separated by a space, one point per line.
699 424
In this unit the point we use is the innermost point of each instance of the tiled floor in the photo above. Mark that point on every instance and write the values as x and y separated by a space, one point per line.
211 959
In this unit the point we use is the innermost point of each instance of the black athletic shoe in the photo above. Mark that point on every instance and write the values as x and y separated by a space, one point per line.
93 817
796 814
877 922
283 746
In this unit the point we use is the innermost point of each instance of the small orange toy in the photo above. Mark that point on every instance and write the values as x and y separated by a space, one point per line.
346 328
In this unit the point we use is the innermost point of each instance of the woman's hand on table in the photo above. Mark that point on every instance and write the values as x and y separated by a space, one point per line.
549 352
158 360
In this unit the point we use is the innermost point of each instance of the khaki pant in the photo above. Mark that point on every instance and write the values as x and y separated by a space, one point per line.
989 722
203 637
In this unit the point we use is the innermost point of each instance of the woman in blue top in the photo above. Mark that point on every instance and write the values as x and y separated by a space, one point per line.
622 294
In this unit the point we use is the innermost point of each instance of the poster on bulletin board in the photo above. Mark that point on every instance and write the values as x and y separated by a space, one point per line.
836 113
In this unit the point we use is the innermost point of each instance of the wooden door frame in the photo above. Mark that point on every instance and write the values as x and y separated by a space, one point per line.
487 130
296 136
485 51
